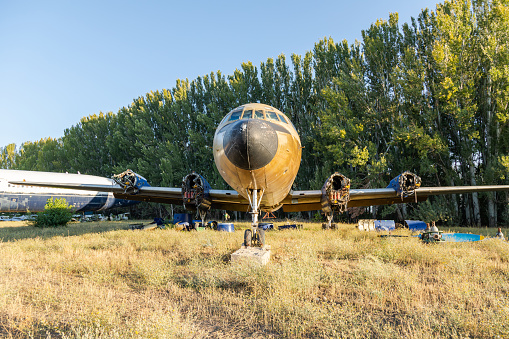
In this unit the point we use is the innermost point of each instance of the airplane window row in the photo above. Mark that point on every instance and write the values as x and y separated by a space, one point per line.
25 186
258 114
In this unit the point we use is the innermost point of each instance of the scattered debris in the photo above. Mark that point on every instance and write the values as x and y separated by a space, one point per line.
376 225
292 226
266 226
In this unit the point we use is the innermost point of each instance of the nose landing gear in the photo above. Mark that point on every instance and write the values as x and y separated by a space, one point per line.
256 235
253 249
258 240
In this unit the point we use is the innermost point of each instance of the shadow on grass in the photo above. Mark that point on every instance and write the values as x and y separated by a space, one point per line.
12 231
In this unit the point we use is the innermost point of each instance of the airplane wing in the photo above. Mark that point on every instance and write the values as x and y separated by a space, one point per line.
312 200
335 195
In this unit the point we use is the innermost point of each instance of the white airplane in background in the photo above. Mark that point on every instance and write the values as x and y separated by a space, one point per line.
27 198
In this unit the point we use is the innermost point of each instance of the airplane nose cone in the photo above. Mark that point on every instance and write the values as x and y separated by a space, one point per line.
250 144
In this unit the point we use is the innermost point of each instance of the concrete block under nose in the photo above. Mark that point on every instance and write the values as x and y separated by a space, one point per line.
252 255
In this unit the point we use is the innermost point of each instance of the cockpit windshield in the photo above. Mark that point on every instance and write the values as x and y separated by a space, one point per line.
270 115
248 114
235 115
283 118
257 114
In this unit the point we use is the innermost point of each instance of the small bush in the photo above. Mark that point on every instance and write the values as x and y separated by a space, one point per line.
56 213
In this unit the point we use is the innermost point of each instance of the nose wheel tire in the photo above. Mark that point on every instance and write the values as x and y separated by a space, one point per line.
258 239
247 238
261 236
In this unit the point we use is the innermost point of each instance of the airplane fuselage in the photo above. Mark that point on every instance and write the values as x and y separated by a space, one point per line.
26 198
256 147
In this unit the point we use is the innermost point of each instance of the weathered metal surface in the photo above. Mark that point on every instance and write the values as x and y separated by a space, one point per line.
250 144
276 177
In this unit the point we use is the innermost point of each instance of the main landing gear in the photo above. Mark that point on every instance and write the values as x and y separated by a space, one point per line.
329 225
256 235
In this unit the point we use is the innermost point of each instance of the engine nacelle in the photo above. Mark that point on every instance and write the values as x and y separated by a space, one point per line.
335 194
196 192
130 181
405 184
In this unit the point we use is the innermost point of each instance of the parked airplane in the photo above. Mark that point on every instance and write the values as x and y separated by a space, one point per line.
258 151
27 198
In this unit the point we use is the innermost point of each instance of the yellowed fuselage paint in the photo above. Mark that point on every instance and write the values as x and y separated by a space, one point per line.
275 179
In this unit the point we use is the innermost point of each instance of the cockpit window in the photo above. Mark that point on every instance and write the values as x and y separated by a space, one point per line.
235 115
258 114
248 114
271 115
282 118
226 117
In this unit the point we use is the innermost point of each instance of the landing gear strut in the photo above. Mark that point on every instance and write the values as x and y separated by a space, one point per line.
256 235
328 225
203 215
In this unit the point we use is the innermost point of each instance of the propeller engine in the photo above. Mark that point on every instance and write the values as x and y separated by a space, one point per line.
196 193
335 196
130 181
405 184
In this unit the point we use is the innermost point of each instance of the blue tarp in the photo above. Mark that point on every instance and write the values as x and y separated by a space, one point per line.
385 225
461 237
416 225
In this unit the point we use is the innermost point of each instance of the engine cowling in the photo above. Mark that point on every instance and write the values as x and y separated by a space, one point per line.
405 184
196 192
130 181
335 194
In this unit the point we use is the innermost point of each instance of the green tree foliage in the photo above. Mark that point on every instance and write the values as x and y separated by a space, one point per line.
430 96
56 213
43 155
8 156
85 145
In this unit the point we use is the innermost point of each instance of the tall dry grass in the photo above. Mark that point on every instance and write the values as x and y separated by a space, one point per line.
98 280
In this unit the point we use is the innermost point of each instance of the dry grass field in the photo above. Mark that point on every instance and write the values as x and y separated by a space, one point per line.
99 280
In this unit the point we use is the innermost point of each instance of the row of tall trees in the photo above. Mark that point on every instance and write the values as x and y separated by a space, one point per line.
430 96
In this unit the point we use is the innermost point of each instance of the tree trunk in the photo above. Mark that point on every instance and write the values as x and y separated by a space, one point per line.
475 199
468 210
399 213
492 209
492 206
455 201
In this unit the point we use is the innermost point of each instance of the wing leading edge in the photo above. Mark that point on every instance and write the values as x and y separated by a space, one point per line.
311 200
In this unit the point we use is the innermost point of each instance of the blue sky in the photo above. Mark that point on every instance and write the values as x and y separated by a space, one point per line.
63 60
